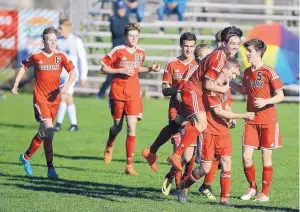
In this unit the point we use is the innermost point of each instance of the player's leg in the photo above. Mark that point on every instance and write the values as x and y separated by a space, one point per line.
133 112
164 136
117 112
71 110
188 159
250 143
204 167
206 187
62 109
270 139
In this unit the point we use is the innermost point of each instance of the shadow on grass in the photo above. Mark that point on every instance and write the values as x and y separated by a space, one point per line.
83 157
40 165
18 126
110 192
258 206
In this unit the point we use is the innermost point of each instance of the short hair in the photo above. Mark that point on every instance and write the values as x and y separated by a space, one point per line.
257 44
65 22
199 47
231 62
47 31
131 27
229 32
187 36
218 36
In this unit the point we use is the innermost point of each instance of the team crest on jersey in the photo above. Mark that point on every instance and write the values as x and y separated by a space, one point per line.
57 59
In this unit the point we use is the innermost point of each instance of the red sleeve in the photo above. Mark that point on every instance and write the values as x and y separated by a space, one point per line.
275 81
167 77
67 63
27 62
216 64
213 99
110 59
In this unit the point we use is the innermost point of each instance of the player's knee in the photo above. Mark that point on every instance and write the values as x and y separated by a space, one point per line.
174 127
201 125
50 133
247 159
206 168
226 163
131 129
116 129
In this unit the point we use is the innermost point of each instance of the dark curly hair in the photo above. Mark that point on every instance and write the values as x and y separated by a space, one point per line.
229 32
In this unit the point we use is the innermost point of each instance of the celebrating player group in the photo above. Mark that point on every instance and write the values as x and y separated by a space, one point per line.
198 83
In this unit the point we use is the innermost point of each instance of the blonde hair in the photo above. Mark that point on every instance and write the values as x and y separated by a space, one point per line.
65 22
199 48
131 27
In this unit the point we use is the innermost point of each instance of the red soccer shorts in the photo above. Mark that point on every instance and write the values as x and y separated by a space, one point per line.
262 136
215 145
45 111
130 108
191 101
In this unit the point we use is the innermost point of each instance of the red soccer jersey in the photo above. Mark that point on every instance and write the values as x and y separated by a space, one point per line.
261 83
215 124
124 87
210 68
175 69
47 69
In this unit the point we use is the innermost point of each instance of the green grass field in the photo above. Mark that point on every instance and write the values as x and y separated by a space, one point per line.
88 184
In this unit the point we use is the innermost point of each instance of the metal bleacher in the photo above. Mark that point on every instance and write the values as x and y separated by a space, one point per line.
204 18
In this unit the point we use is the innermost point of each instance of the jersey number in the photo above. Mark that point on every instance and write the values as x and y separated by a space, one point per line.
259 76
57 59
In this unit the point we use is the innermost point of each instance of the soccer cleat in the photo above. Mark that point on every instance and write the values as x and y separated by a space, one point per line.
207 192
182 196
250 193
175 161
151 158
226 203
57 127
130 171
26 164
108 154
166 186
73 128
176 191
261 198
52 173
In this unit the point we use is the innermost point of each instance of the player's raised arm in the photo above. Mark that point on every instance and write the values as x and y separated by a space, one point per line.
19 76
155 67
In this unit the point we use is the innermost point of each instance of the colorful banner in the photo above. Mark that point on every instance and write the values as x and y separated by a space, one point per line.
8 38
31 26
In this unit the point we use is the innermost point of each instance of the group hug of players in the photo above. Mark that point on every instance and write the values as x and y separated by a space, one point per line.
198 82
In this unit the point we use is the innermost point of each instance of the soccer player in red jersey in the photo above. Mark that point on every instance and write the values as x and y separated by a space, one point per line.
174 71
173 74
124 62
190 92
263 88
48 64
216 138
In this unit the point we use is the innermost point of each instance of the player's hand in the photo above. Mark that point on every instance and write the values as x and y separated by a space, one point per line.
178 97
82 82
129 71
232 123
249 115
14 90
260 103
155 67
63 90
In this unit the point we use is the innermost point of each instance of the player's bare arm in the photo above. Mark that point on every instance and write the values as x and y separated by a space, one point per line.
19 76
231 122
277 98
126 70
72 78
230 115
212 86
238 87
155 67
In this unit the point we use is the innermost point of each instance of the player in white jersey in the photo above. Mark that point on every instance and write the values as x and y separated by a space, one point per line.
73 46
